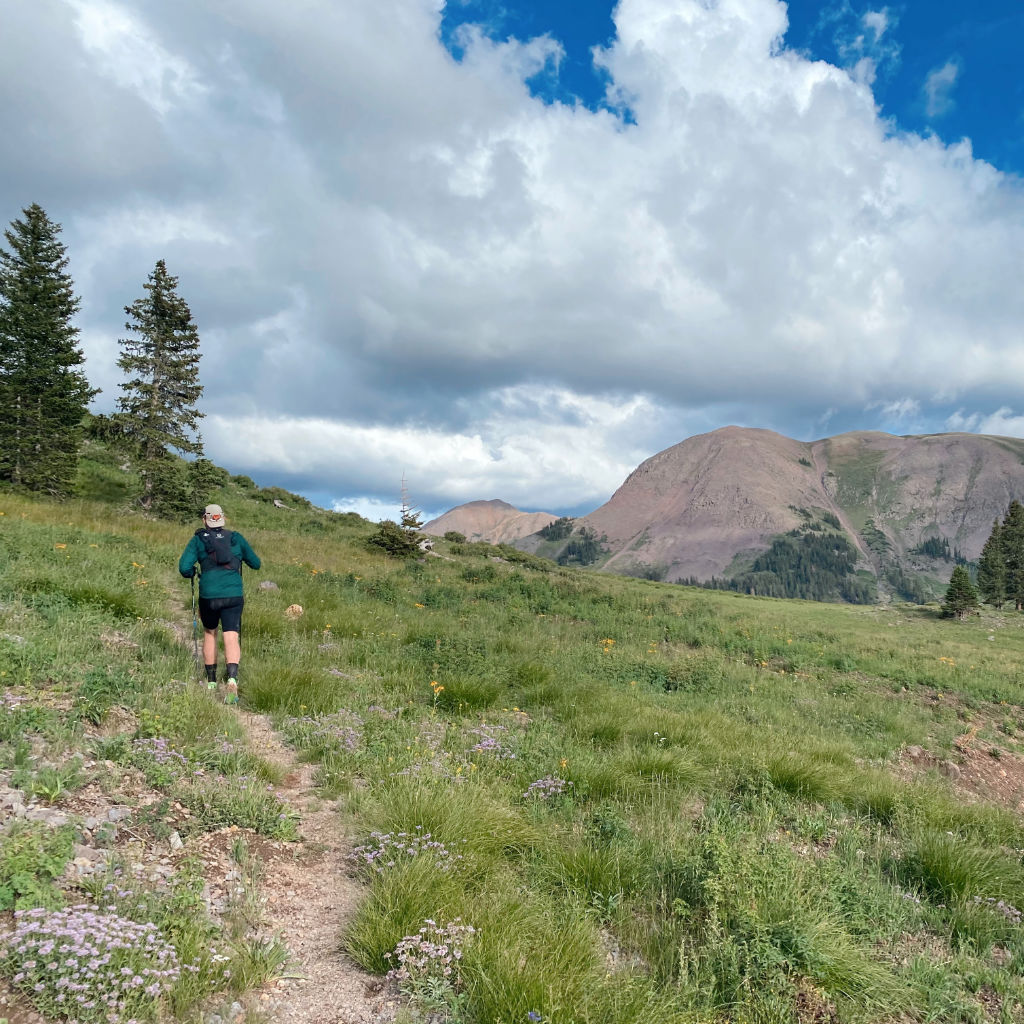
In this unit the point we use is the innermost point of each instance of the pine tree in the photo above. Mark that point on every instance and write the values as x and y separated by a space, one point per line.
992 568
158 410
961 596
43 391
1013 553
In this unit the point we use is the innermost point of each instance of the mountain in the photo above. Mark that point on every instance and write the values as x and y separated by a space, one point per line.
495 521
746 504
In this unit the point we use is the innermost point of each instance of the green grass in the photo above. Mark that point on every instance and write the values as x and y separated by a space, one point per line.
740 838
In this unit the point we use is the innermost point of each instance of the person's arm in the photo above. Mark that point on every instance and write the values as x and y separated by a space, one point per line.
189 557
249 556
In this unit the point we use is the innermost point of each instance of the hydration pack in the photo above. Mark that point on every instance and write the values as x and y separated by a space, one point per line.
218 550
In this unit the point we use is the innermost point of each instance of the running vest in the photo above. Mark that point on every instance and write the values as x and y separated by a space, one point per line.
218 550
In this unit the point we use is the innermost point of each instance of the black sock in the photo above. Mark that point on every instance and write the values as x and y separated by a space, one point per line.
233 670
211 673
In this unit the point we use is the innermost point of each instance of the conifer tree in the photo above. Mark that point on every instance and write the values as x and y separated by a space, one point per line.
992 568
158 411
1013 553
43 391
961 596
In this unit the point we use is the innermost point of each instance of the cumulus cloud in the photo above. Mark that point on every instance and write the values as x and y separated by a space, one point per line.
403 260
938 88
536 447
1004 422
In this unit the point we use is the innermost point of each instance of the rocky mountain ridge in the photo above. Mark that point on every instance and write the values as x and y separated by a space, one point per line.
709 506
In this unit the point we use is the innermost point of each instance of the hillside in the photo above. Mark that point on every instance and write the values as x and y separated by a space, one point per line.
707 507
494 521
621 801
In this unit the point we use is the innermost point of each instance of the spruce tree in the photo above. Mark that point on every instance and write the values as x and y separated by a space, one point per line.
961 596
158 411
43 391
1013 553
992 568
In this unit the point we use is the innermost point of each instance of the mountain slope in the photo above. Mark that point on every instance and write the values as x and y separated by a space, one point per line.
705 507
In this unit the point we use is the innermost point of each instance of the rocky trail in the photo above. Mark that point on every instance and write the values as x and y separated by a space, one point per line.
309 898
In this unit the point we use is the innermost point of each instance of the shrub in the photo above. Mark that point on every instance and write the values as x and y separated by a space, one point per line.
454 537
32 857
391 538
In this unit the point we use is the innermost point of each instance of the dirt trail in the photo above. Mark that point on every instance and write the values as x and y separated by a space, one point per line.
310 898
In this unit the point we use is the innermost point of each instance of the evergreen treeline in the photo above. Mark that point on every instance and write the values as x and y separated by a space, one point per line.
802 564
938 547
583 549
559 529
1001 566
44 392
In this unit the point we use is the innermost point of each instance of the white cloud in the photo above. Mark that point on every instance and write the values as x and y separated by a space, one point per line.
403 262
938 88
898 409
1004 422
877 22
127 52
536 448
865 42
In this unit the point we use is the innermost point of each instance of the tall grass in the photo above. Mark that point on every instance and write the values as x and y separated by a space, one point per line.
737 837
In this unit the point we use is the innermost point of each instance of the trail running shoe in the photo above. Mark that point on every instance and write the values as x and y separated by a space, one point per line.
232 695
211 684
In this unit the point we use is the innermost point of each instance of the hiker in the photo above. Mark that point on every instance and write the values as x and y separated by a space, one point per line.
220 553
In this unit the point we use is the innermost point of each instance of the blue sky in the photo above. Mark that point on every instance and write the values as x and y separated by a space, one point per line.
434 241
975 50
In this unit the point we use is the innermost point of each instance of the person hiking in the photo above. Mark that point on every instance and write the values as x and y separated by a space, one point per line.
220 553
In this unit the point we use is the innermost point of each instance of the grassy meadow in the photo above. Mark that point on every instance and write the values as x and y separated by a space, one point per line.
650 803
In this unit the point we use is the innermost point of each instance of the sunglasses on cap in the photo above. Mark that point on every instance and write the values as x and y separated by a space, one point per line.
215 516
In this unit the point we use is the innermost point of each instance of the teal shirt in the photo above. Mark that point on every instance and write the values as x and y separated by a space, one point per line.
218 582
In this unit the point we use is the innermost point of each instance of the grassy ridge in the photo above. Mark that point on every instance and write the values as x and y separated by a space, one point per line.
723 833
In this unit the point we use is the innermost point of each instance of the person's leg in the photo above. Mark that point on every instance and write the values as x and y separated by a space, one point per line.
232 654
210 653
232 647
210 619
231 624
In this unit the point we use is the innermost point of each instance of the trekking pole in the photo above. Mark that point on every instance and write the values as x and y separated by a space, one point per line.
195 624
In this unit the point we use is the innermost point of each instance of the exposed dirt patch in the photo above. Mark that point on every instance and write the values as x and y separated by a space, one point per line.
15 1008
978 770
993 775
310 897
813 1006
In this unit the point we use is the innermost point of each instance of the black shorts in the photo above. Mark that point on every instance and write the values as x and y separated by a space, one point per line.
225 611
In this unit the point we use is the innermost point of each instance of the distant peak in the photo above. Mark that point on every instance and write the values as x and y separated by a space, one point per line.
489 503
